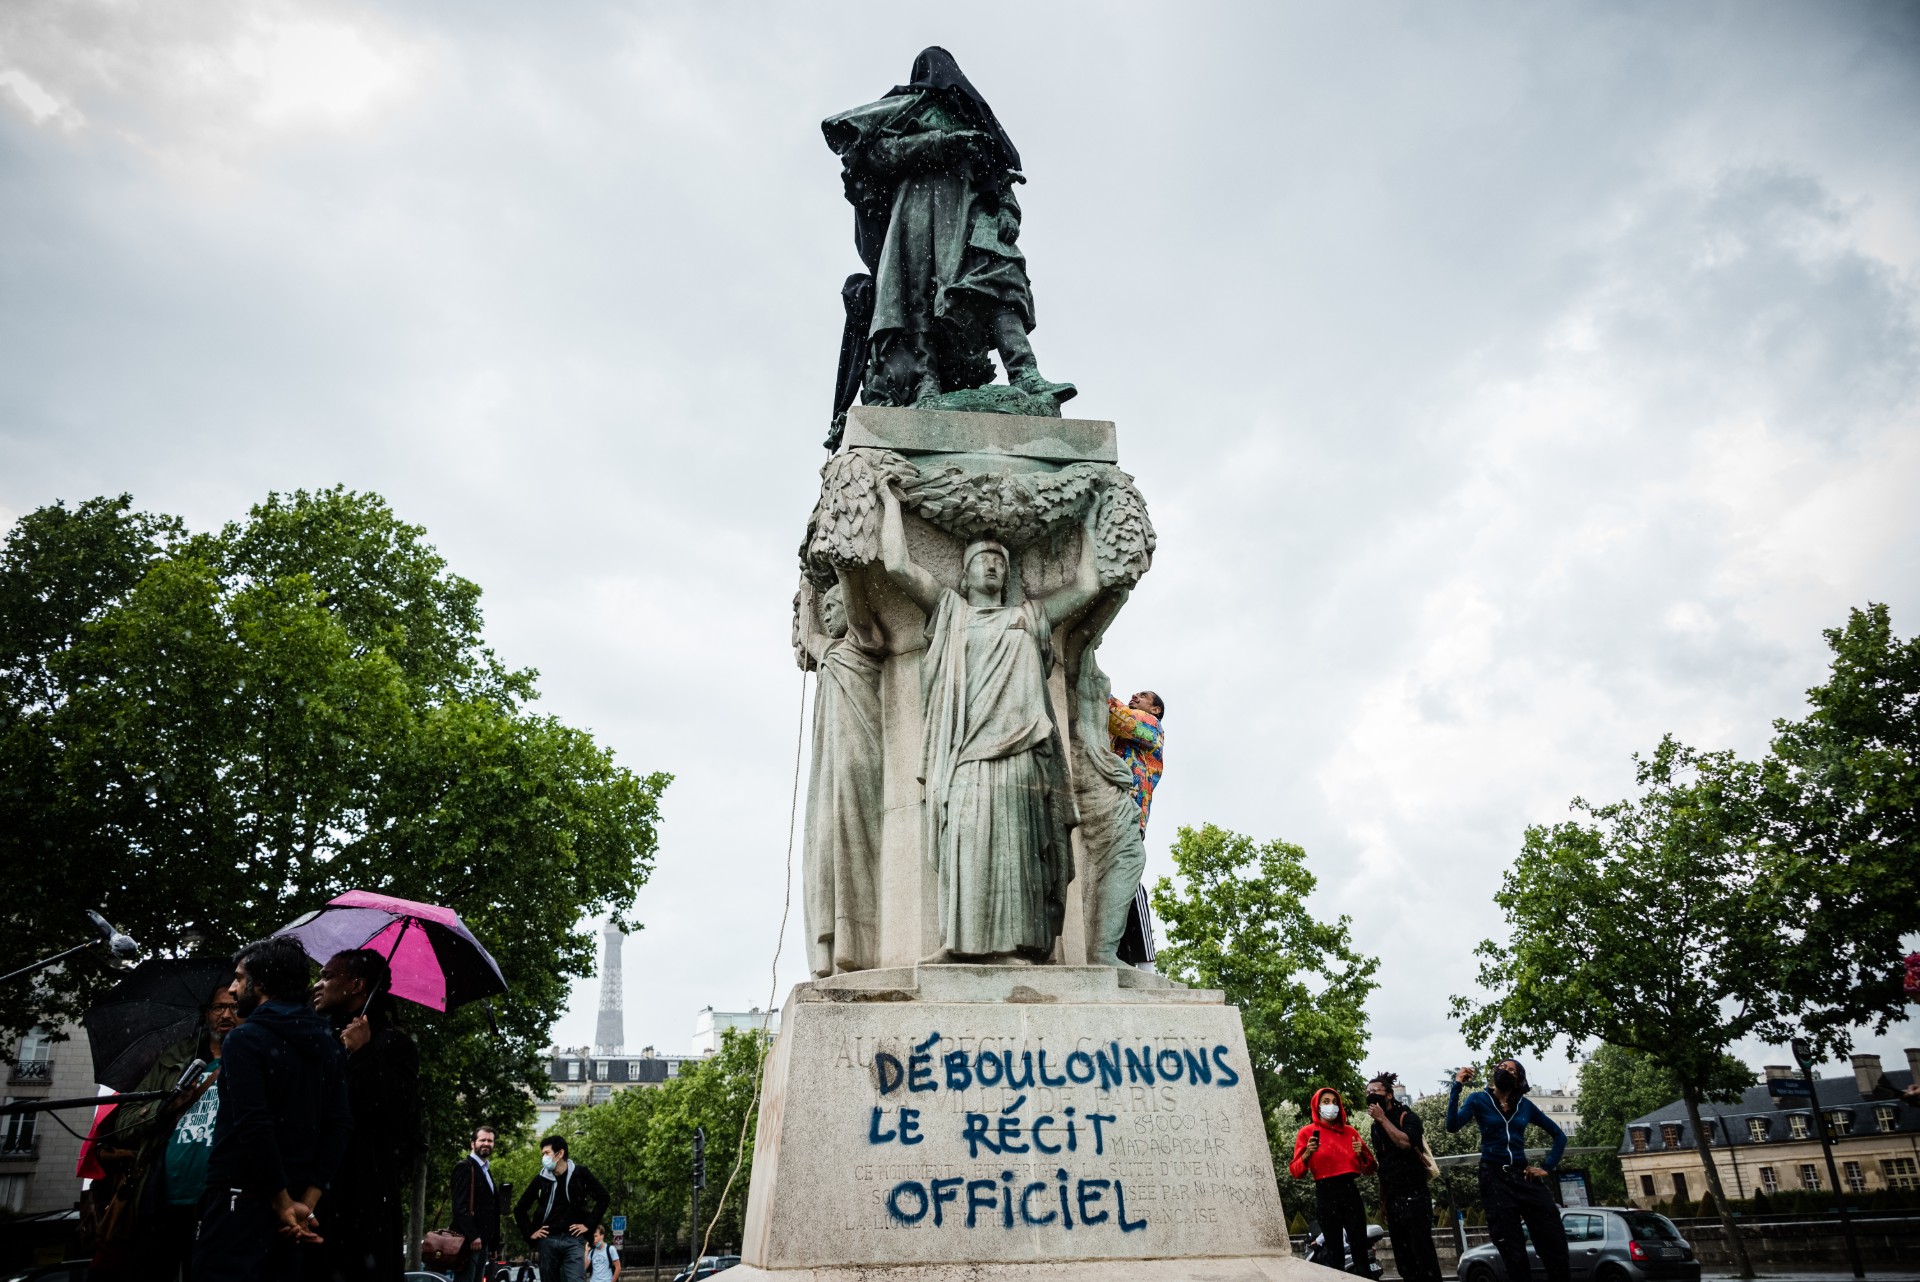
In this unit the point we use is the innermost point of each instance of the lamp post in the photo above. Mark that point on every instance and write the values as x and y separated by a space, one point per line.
1803 1055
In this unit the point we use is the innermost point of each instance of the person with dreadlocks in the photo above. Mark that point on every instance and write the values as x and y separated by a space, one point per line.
1512 1189
364 1237
930 173
1400 1146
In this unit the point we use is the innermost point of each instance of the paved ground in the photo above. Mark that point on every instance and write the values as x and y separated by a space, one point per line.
1874 1275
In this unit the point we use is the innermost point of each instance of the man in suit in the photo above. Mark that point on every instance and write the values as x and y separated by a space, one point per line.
476 1205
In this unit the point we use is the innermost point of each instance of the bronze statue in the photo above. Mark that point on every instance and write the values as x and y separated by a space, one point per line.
930 174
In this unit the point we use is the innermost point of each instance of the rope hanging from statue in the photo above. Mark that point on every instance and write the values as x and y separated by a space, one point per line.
773 981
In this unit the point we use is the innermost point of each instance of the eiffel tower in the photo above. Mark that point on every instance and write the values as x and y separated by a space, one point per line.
610 1035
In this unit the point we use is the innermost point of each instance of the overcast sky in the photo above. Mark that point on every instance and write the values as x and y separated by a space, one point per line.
1510 384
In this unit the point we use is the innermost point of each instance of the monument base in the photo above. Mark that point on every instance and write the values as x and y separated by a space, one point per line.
1058 1123
1268 1268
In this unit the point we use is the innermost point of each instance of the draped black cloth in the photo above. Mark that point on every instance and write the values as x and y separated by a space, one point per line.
929 171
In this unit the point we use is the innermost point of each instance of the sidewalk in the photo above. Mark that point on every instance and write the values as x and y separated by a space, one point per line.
1718 1272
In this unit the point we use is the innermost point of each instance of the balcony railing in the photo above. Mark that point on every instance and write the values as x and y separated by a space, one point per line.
31 1072
19 1148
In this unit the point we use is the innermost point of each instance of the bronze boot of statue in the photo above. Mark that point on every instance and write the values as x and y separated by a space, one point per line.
1023 368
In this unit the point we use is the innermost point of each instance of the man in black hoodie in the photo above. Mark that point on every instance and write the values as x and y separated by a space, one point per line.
558 1213
281 1128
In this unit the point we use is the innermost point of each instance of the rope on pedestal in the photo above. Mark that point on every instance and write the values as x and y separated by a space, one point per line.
773 980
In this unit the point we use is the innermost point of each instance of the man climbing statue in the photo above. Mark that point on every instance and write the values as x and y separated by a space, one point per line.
930 174
1139 742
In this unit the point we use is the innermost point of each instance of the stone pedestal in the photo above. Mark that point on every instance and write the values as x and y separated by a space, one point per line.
1056 1122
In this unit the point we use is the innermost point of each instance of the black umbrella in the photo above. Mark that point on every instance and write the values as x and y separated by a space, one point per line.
160 1002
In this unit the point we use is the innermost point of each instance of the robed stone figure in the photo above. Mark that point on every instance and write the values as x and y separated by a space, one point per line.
841 857
997 807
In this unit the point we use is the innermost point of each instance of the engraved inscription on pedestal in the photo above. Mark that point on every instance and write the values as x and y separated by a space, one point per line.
1056 1116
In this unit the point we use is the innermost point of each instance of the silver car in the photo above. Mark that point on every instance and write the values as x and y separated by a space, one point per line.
1604 1244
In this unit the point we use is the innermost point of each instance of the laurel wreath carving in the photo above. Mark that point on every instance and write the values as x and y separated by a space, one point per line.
1018 508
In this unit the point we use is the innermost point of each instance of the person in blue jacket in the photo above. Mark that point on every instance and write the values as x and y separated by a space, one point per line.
1513 1191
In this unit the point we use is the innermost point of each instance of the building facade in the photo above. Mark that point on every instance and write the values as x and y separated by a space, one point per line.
580 1077
710 1025
1562 1104
1767 1143
38 1156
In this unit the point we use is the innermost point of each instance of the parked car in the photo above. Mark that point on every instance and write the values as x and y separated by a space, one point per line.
1604 1244
1318 1252
705 1267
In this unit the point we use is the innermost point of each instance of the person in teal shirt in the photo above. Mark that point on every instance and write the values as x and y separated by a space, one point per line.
171 1139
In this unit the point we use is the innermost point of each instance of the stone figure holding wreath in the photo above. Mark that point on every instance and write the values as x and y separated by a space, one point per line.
997 807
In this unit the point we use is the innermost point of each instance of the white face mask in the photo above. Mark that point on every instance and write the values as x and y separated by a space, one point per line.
1329 1112
546 1161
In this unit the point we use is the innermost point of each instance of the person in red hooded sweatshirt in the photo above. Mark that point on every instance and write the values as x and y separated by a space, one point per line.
1330 1147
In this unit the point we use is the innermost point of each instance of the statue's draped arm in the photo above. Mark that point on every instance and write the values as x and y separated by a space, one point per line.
1065 602
920 586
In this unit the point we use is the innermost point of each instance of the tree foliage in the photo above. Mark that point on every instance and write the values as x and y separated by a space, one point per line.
1618 1084
1841 830
1636 928
218 732
1238 922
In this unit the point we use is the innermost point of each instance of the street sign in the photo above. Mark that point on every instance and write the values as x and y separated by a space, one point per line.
1788 1088
619 1224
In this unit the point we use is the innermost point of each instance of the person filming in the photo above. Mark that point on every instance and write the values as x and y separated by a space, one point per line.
1331 1148
1512 1190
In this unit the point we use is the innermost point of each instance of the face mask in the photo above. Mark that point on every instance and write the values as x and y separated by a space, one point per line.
1381 1100
1503 1081
546 1161
1329 1112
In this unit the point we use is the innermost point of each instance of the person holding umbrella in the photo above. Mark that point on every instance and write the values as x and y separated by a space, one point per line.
281 1128
365 1221
170 1140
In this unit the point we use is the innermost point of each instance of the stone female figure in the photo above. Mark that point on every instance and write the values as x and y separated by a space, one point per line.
841 860
997 810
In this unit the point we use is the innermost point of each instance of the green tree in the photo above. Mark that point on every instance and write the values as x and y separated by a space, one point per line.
1458 1185
1618 1084
1238 922
1841 819
218 732
1637 929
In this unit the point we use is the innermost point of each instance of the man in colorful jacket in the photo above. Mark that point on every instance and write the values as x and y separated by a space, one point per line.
1138 740
1330 1147
1134 729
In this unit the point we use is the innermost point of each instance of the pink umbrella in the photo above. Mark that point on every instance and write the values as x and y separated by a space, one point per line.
435 959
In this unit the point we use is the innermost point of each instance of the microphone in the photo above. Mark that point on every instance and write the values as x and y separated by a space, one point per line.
121 946
190 1076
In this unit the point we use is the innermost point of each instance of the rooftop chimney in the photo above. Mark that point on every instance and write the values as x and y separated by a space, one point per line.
1781 1070
1866 1074
1913 1064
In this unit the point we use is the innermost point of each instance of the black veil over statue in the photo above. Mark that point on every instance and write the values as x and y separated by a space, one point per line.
930 172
